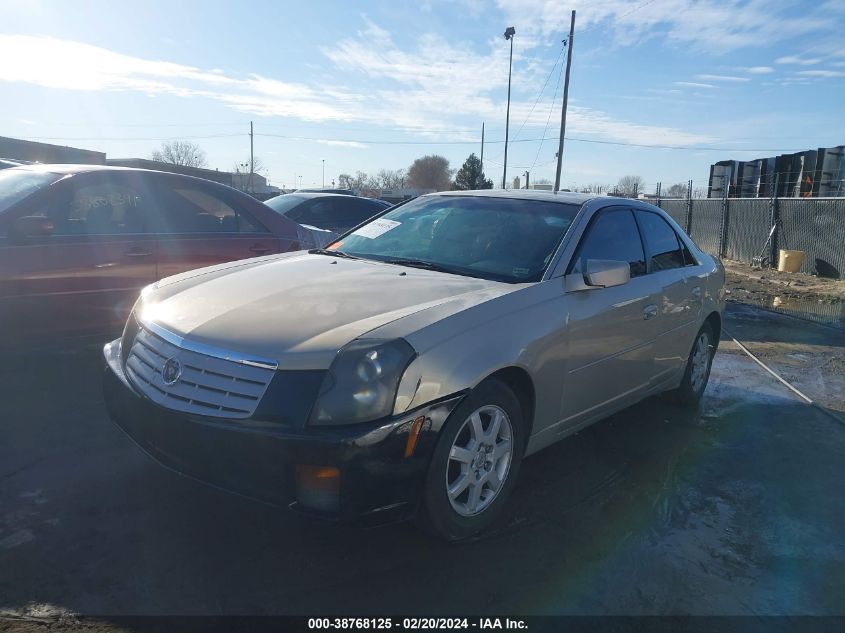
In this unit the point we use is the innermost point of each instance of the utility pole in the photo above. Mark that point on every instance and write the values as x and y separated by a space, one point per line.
324 174
509 34
251 158
482 147
569 44
527 175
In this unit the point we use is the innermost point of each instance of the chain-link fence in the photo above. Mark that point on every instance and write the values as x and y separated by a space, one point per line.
738 228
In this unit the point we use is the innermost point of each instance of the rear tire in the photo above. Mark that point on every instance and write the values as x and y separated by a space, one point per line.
697 372
475 463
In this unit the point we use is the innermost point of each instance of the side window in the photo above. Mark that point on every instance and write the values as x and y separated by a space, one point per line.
612 235
187 208
362 210
664 249
316 212
110 206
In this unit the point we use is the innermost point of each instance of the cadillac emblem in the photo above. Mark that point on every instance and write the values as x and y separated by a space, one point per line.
171 371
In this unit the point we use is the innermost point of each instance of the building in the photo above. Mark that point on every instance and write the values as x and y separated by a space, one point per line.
816 173
17 149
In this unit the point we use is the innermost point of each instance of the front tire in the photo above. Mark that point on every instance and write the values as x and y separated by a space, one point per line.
475 464
697 372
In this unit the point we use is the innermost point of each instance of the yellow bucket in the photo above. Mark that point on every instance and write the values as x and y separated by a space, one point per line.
790 261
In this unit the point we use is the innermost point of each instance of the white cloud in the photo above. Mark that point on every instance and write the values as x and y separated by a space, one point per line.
727 78
822 73
426 88
714 26
355 144
794 59
693 84
760 70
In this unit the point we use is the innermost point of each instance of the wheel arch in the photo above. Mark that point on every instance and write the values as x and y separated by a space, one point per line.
714 320
519 380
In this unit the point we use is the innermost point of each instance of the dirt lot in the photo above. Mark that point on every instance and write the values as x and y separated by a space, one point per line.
743 281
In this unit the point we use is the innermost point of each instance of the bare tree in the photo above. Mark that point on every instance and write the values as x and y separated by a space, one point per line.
344 181
259 167
359 181
241 169
630 186
390 179
430 172
180 153
678 190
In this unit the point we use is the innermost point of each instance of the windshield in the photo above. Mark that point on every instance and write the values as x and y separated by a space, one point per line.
17 184
284 203
492 238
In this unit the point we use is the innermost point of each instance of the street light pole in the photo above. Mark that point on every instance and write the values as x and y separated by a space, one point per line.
509 33
324 174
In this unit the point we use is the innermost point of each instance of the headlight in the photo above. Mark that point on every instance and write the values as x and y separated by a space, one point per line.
361 384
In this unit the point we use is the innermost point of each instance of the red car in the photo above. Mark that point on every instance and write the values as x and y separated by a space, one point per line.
77 242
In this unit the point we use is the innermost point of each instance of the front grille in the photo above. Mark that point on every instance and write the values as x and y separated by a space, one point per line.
207 386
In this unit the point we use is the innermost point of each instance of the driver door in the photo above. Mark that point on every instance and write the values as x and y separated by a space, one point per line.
611 331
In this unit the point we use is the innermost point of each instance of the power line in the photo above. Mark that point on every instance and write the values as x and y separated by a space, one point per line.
617 18
542 91
126 138
548 121
364 141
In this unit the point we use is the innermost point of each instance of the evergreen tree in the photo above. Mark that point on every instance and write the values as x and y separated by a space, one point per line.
470 176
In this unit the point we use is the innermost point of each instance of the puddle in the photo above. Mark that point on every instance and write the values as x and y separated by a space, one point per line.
832 314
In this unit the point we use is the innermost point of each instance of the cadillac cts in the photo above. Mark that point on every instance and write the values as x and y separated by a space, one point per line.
409 368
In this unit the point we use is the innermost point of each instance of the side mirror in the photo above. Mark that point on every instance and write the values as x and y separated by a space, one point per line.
33 226
605 273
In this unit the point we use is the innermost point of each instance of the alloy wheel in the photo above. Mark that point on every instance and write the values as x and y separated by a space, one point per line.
700 361
479 460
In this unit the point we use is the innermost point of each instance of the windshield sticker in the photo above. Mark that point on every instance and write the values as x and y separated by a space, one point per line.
376 228
334 246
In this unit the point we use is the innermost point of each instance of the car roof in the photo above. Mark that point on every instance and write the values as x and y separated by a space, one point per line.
71 169
564 197
311 194
59 168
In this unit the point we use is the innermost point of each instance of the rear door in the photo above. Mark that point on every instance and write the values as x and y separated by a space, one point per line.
199 225
611 330
84 277
672 266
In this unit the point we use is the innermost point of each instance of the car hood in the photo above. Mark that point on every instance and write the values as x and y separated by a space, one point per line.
299 310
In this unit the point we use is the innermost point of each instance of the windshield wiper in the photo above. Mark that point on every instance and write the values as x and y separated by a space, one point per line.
326 251
418 263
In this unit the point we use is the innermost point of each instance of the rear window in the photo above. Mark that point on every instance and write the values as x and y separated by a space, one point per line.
17 184
284 203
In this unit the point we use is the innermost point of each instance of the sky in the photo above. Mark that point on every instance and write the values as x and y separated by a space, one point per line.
659 88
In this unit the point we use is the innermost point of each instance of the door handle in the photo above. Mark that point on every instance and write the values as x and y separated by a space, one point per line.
258 249
650 311
137 252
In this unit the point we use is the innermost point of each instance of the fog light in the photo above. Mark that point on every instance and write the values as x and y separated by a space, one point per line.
318 487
